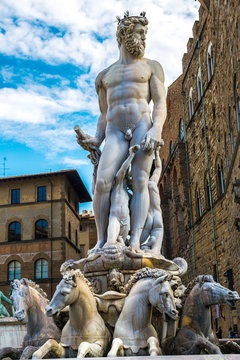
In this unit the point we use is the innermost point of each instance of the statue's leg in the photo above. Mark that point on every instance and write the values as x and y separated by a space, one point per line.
28 352
113 230
155 240
208 346
10 352
90 349
5 312
153 346
50 345
114 153
124 230
230 347
147 228
202 344
117 346
141 167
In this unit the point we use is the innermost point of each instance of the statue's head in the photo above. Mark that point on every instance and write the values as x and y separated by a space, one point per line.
132 31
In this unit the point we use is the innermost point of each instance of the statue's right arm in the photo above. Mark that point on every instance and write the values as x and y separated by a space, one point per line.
101 125
102 100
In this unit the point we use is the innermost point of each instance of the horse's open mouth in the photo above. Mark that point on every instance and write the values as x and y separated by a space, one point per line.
51 312
169 316
231 303
23 320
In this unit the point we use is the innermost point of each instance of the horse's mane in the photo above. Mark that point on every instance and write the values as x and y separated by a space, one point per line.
35 286
78 273
200 279
141 274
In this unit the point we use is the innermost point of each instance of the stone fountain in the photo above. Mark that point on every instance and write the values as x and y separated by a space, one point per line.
126 298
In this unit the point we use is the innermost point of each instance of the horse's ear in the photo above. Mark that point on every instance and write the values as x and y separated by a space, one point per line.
162 278
23 281
15 284
74 280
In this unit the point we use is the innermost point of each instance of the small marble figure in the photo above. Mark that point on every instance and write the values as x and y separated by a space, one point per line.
119 218
153 228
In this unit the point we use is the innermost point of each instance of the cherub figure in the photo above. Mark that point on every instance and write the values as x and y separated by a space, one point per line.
119 218
153 228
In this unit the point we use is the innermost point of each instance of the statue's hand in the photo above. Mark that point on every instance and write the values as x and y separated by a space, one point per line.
134 149
150 142
89 143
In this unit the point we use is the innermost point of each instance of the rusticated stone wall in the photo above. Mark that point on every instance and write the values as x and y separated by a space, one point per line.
173 182
211 241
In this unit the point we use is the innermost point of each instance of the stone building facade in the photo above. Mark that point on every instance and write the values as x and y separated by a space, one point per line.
210 99
88 230
40 226
173 181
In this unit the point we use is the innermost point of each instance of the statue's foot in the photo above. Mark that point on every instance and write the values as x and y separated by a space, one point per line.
113 244
145 247
135 248
109 244
134 244
97 247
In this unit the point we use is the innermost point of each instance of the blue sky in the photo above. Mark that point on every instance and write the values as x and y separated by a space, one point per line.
50 54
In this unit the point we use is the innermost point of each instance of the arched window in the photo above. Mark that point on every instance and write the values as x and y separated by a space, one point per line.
198 204
191 108
14 231
41 269
76 238
181 130
208 197
171 147
220 178
199 85
210 62
69 230
41 229
14 270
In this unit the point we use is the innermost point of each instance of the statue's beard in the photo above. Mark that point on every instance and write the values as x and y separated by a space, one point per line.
134 46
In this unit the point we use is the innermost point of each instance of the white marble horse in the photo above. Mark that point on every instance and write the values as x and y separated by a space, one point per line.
196 335
134 334
30 303
85 332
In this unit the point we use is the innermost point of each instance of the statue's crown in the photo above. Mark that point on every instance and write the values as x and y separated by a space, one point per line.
126 16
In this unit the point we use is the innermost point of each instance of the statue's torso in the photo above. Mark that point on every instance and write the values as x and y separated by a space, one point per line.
128 95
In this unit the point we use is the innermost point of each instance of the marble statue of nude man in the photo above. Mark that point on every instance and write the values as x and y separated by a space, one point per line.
125 90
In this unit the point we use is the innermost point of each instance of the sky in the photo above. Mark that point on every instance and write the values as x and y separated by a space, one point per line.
50 54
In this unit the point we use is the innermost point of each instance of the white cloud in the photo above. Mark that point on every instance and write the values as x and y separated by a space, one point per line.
74 162
40 116
170 24
23 106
